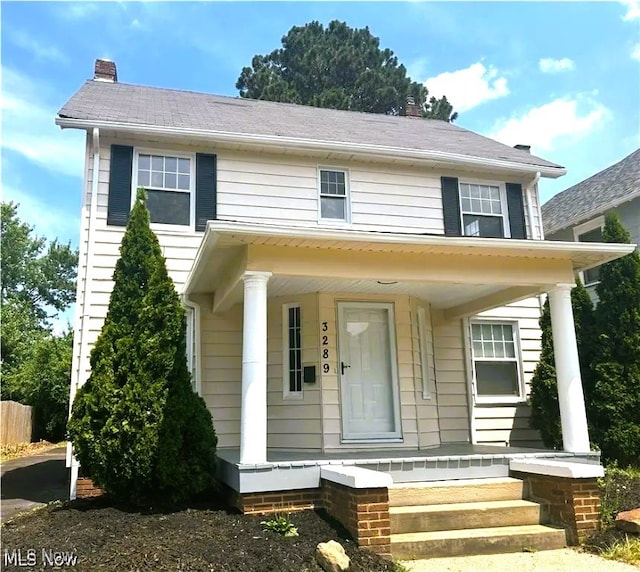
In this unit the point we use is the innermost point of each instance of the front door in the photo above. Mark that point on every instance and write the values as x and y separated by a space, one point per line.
367 370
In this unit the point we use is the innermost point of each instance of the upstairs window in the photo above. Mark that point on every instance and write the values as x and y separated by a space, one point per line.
333 196
496 361
168 182
591 276
482 207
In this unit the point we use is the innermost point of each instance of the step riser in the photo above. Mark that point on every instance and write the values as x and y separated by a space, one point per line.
461 519
417 496
467 546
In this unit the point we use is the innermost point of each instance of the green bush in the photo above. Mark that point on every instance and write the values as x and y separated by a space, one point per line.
619 491
137 428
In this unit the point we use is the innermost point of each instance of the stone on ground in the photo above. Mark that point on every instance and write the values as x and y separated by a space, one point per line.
332 557
629 521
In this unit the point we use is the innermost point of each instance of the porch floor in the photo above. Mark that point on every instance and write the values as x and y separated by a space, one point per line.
287 470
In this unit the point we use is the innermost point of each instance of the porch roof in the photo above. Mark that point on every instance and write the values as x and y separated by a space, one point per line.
463 275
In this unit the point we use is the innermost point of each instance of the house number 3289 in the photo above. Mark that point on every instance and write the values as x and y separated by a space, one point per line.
325 349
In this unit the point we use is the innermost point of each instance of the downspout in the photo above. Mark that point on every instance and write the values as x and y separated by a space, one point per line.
83 310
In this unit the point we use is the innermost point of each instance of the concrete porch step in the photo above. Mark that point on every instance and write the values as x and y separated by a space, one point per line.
458 491
496 540
458 516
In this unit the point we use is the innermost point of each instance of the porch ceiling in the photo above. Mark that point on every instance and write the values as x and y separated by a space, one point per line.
461 275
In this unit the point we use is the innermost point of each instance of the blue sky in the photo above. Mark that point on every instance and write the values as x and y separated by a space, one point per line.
561 76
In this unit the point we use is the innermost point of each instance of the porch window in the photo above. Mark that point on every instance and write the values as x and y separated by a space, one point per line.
425 336
483 210
168 182
292 351
333 196
496 361
191 343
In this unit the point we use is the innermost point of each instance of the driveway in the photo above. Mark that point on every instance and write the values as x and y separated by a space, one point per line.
29 482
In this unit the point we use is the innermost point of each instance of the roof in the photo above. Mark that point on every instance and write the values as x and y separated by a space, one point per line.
593 196
120 103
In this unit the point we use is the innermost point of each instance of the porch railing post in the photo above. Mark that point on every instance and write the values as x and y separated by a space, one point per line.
573 416
253 414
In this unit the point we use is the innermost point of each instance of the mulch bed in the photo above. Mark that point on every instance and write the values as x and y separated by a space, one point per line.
203 538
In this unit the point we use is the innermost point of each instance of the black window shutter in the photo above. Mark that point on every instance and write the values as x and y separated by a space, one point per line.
206 180
451 206
515 205
120 173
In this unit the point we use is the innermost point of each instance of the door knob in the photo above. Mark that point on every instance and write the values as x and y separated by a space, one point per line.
343 366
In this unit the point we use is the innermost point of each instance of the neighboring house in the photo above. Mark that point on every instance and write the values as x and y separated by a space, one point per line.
577 214
361 289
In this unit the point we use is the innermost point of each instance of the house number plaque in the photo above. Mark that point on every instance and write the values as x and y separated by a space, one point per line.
325 350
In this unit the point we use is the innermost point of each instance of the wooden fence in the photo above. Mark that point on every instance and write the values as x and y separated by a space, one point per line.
16 423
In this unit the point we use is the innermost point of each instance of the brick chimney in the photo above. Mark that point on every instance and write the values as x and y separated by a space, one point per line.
105 70
412 109
526 148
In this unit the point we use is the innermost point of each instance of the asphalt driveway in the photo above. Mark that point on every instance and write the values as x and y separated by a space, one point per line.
29 482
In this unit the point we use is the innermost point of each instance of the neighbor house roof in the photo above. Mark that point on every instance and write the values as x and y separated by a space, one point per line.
593 196
103 103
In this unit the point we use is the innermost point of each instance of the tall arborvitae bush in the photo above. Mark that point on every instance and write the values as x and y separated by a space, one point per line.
138 429
615 404
545 410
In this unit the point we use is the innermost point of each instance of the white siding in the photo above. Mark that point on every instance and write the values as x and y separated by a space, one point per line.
500 424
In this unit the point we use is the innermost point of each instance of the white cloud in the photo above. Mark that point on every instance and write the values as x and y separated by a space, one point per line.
550 65
28 127
469 87
635 52
545 127
48 221
633 10
21 39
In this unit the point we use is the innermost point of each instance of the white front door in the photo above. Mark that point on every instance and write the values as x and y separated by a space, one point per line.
367 370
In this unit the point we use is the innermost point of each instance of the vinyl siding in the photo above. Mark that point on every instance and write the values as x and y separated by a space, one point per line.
509 424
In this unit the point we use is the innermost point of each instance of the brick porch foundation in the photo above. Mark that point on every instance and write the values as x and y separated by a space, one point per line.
573 503
86 489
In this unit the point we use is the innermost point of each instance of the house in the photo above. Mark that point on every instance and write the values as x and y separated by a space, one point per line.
577 213
361 292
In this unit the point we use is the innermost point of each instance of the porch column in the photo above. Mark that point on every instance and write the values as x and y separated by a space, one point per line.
573 416
253 414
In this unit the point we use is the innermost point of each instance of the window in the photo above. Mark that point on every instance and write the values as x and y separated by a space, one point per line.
168 181
483 210
426 343
191 339
292 351
591 276
496 361
333 195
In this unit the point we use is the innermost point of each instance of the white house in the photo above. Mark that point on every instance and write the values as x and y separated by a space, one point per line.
361 292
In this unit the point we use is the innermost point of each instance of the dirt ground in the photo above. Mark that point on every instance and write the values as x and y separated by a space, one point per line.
104 538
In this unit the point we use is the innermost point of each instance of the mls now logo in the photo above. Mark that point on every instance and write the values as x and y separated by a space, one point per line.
19 557
29 558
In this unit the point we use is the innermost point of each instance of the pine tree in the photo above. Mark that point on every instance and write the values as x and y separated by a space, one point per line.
616 362
138 429
545 409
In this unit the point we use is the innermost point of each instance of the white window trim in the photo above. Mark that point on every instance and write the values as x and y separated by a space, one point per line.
498 399
428 383
287 394
192 186
347 197
581 229
506 229
193 345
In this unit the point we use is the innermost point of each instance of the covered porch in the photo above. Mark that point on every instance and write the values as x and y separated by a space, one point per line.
247 266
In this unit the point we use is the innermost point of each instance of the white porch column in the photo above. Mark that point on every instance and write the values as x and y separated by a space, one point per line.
253 415
573 416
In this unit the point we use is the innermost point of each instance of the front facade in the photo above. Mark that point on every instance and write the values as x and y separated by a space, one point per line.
350 302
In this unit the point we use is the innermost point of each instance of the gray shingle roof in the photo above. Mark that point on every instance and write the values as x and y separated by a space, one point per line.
594 195
134 104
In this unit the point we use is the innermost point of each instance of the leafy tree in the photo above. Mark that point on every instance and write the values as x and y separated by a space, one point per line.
37 282
339 68
616 363
545 408
138 429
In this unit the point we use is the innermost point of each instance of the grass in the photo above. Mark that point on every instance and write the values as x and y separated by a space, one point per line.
26 449
627 550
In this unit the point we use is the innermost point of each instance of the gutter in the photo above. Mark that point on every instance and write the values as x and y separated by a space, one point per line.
361 149
86 290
